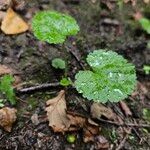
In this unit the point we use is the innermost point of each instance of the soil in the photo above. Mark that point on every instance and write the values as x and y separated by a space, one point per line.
100 27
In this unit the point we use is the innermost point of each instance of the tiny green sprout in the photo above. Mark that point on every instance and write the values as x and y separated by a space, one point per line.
146 114
53 27
111 77
71 138
146 68
145 23
7 89
65 82
58 63
1 103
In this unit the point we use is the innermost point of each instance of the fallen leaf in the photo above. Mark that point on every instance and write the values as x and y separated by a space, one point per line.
35 119
56 113
90 130
101 143
137 15
5 70
18 5
98 110
2 15
125 108
62 121
76 120
13 23
7 118
5 4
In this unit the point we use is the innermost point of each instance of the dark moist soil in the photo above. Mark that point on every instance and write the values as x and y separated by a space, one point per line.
101 27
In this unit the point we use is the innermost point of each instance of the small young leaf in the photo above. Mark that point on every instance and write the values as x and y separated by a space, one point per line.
71 138
146 114
145 23
65 82
146 68
111 78
53 27
7 88
58 63
1 103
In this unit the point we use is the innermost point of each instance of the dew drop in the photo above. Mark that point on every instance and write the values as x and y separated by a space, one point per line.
119 91
110 74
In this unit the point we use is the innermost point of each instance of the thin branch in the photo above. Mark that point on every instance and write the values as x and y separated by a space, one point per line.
121 145
38 87
125 124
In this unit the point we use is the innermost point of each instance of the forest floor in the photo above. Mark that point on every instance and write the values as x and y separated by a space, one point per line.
103 24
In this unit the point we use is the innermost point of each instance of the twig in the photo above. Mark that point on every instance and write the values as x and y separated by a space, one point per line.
38 87
121 145
125 124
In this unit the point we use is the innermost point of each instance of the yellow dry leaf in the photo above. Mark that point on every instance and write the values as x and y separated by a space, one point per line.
98 110
56 113
7 118
13 23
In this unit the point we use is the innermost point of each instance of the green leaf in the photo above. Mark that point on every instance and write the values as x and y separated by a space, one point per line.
145 23
7 89
2 103
146 114
65 82
112 78
71 138
146 68
58 63
53 27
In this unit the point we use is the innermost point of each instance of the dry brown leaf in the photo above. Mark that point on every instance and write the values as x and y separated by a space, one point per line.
2 15
76 121
4 4
35 119
18 5
5 70
62 121
137 15
98 110
101 143
90 130
13 23
7 118
56 113
125 108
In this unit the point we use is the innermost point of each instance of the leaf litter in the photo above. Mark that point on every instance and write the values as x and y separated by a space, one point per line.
9 26
62 120
7 118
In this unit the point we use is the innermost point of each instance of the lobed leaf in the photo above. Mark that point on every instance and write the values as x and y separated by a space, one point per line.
112 78
53 27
